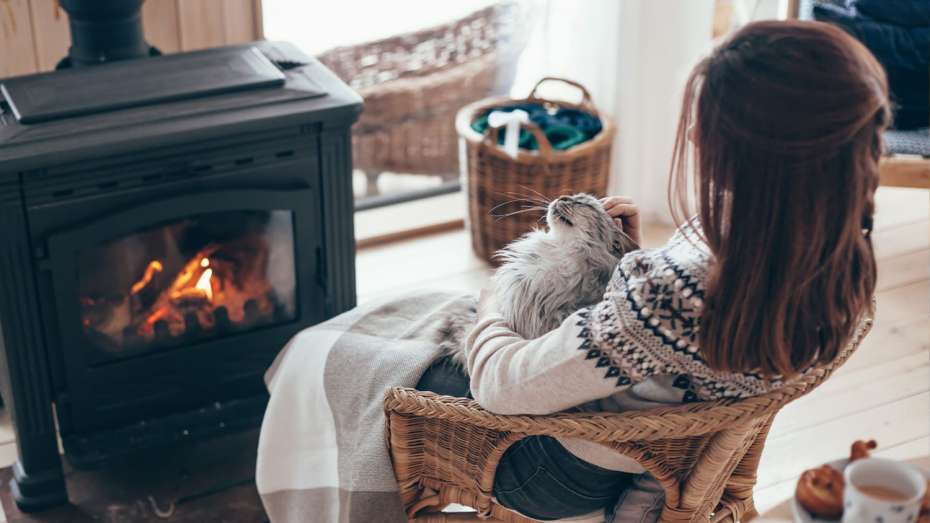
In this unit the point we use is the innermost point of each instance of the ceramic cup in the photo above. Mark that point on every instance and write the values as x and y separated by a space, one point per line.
882 491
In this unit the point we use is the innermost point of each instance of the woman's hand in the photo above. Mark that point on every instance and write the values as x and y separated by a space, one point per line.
487 302
623 209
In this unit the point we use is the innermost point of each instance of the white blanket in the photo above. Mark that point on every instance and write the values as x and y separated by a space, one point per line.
322 456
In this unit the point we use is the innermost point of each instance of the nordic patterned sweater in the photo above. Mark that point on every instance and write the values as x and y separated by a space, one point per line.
635 349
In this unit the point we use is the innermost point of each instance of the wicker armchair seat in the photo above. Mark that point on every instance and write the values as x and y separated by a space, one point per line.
705 455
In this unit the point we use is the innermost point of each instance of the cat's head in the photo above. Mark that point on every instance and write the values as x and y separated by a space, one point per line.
581 217
548 274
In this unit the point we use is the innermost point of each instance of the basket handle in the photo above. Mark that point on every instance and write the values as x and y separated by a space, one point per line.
545 148
586 100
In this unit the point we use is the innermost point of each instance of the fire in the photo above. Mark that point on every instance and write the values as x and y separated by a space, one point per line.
153 268
205 283
223 285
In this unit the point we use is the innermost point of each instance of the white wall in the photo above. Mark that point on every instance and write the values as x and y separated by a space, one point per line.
660 43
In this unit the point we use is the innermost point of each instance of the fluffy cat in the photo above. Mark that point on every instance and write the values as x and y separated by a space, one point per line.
548 273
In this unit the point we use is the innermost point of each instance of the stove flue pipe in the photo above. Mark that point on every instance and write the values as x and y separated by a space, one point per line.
103 31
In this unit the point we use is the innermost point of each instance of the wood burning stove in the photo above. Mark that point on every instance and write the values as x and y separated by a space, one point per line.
168 224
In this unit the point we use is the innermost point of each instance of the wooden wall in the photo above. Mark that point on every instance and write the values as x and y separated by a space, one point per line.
34 34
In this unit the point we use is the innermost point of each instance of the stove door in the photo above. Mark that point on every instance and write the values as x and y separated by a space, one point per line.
181 302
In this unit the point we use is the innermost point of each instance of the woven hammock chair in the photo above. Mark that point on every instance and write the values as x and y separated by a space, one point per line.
414 83
705 455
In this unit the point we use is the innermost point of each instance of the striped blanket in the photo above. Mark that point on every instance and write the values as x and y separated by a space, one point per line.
322 455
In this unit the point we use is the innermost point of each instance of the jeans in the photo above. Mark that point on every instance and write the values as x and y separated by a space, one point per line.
537 476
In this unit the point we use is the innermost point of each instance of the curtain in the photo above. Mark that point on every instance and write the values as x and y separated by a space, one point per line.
634 57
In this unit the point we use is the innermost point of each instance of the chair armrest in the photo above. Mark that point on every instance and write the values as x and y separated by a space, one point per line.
671 422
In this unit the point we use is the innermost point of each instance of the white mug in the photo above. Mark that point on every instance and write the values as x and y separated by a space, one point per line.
862 504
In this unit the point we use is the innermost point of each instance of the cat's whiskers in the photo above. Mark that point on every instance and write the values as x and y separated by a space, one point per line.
520 211
513 201
536 196
531 200
543 199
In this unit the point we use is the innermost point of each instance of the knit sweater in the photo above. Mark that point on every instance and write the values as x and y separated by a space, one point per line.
637 348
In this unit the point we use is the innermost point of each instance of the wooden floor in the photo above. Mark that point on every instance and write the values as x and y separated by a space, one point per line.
883 392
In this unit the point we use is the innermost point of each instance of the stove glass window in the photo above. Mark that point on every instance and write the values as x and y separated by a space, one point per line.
190 280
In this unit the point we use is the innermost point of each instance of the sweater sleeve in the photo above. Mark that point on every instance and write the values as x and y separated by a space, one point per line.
512 375
645 326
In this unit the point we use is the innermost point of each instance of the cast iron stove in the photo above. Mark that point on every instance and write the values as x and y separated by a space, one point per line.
168 224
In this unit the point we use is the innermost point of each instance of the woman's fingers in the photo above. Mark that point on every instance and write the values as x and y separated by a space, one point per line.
623 209
612 201
625 199
625 212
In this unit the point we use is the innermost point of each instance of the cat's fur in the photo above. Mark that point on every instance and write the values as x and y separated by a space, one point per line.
549 273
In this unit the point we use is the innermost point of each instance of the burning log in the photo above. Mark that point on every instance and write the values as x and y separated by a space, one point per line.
223 287
144 292
252 312
222 318
220 286
191 324
162 330
106 315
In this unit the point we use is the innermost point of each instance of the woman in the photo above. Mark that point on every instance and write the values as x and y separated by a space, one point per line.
781 126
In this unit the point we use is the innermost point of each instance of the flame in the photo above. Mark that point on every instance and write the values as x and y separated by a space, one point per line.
205 283
200 287
153 267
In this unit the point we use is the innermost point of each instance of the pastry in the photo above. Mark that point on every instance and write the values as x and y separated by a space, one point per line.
820 492
861 449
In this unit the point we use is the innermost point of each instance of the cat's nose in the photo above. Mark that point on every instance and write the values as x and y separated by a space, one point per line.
564 199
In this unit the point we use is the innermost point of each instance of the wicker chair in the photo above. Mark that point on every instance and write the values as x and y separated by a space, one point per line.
414 83
705 455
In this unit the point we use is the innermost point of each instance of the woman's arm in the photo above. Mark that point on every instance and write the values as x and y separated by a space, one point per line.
512 375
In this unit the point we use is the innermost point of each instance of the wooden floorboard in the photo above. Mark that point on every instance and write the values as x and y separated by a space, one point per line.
903 269
901 239
894 206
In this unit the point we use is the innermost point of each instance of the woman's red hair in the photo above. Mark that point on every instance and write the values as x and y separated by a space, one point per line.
786 122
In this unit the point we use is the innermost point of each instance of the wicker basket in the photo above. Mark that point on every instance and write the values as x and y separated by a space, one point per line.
498 184
414 83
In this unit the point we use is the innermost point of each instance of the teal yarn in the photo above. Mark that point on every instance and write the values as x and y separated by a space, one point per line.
562 132
563 136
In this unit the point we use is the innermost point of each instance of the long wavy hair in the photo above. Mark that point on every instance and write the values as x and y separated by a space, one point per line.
778 143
